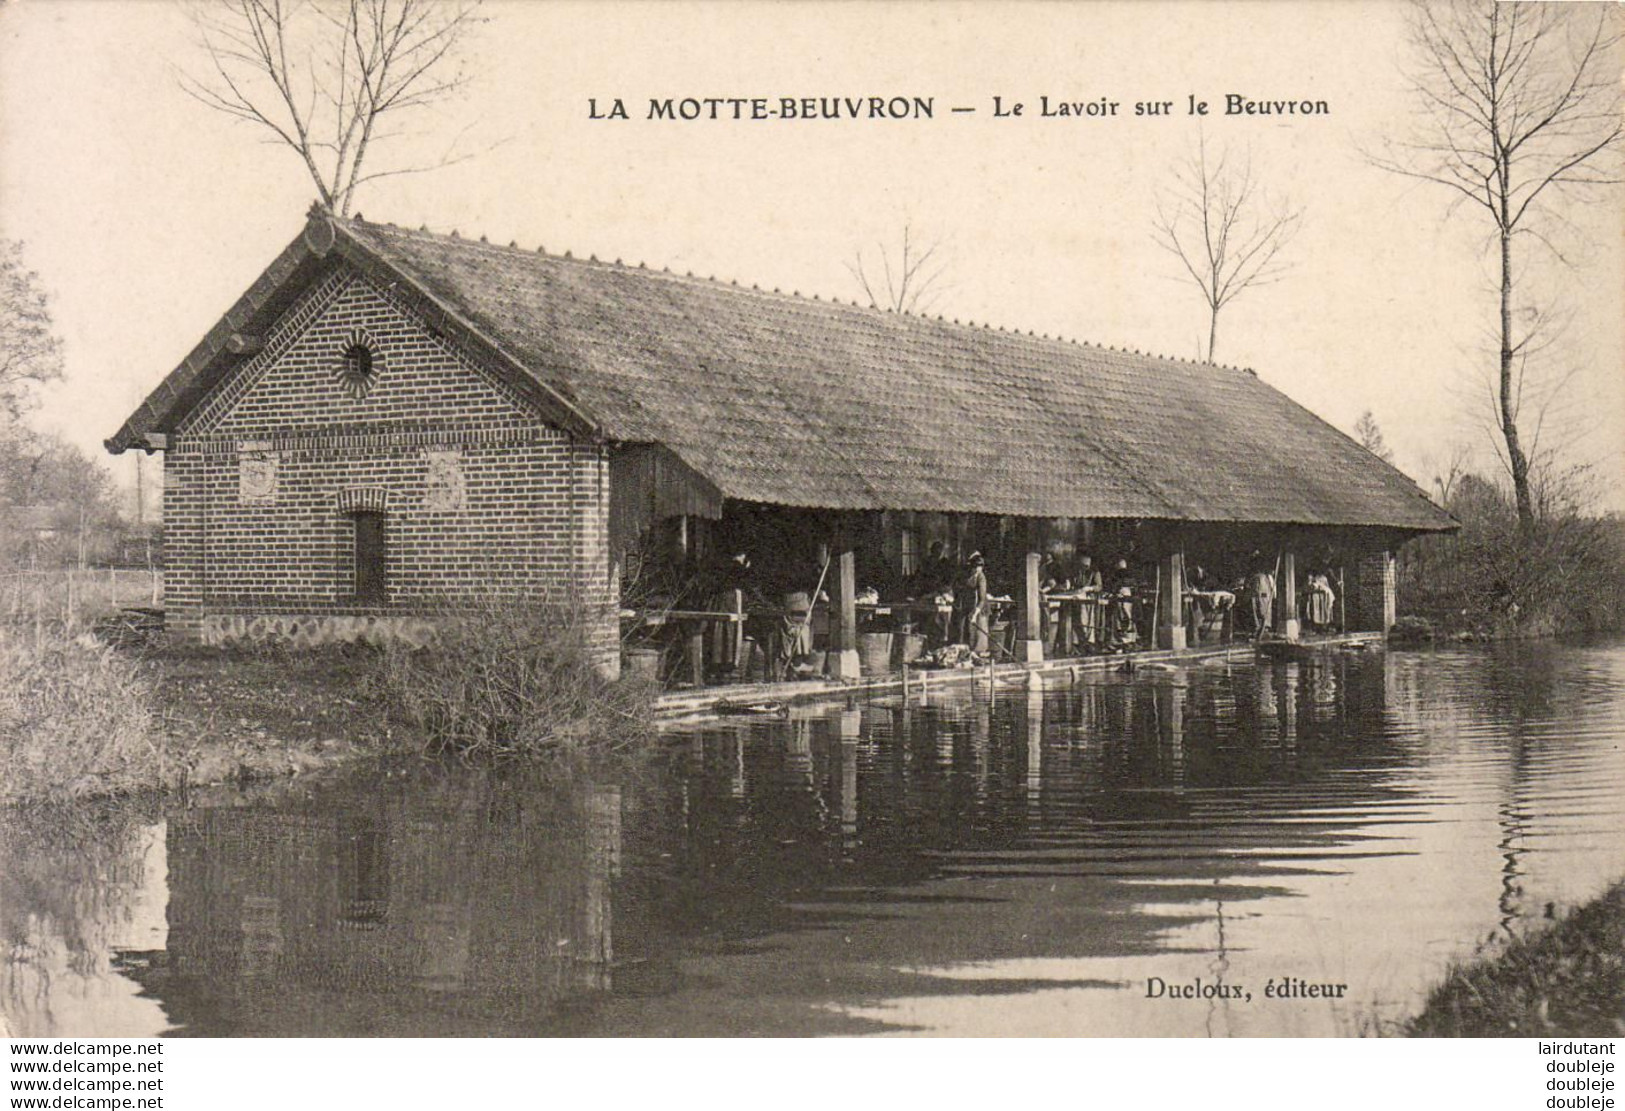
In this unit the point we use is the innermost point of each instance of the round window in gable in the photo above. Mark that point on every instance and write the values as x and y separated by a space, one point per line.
358 366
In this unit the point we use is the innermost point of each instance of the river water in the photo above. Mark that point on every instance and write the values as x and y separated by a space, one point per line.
1155 853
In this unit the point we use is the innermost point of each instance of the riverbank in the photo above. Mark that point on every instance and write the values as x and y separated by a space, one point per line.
259 715
81 719
1564 981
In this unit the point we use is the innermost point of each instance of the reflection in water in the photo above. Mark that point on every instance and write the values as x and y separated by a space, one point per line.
1034 862
434 891
83 894
381 912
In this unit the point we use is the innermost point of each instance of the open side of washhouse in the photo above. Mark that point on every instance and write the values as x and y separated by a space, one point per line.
391 422
763 593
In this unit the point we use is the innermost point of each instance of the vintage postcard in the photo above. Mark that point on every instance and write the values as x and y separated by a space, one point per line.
748 520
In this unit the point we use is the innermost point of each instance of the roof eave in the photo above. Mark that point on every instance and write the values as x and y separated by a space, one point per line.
175 396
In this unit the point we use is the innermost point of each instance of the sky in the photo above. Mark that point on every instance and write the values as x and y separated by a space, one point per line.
146 214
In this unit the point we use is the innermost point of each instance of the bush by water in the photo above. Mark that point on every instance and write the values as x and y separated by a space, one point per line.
1565 573
1565 981
75 717
513 680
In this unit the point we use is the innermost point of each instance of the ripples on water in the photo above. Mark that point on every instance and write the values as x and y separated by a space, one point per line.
1021 865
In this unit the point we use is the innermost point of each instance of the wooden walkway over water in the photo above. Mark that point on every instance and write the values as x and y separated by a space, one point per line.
699 702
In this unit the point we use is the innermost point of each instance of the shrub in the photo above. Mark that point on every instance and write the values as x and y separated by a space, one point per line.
75 717
515 679
1566 574
1411 630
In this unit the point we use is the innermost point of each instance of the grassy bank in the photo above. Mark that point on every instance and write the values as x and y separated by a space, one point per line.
1496 579
1564 981
77 597
76 718
80 719
260 714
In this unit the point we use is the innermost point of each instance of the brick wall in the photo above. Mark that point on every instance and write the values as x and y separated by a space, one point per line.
479 497
1372 597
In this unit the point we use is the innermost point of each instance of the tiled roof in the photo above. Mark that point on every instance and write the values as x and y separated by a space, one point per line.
803 402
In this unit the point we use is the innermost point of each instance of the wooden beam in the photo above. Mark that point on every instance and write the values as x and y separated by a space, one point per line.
1030 617
1171 602
736 631
1290 626
842 661
1390 597
694 636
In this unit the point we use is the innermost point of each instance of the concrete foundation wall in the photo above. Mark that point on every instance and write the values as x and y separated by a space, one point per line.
314 630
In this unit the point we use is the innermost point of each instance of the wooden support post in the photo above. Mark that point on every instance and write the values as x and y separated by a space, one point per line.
1290 627
736 633
842 661
696 652
1171 602
1030 648
1390 593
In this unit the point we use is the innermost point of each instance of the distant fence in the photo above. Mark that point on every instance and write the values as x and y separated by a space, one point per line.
63 595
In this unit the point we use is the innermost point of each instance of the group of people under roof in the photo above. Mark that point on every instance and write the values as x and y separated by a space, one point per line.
1087 609
1260 586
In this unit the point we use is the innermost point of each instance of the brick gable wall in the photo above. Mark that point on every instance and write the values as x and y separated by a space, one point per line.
480 497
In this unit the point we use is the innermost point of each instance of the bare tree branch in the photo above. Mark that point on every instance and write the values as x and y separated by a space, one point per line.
1516 102
1228 237
908 279
319 75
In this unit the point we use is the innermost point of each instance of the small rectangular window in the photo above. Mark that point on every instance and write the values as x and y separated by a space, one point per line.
369 557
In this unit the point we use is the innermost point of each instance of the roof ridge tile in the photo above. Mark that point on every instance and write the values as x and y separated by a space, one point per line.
924 317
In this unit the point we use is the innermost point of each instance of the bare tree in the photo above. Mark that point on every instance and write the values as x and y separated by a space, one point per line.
1449 470
1216 219
907 279
1519 105
30 352
329 78
1370 437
